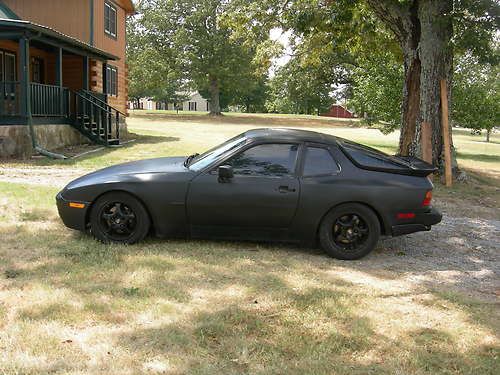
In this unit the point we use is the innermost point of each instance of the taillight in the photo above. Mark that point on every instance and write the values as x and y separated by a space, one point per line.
427 199
406 215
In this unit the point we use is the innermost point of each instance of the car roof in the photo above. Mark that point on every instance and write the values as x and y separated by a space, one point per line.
286 134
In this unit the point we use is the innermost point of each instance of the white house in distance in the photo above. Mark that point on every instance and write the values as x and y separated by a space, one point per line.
194 102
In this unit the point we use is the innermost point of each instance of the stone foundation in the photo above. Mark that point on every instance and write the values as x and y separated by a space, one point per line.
15 141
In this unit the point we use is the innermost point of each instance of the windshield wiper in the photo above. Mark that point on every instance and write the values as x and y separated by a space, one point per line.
190 158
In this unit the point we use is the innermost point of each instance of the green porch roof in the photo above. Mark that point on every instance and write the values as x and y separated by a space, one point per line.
52 37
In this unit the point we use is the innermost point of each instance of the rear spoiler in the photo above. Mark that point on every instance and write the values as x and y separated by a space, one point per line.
417 167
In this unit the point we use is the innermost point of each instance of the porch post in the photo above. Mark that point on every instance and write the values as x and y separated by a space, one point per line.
24 59
59 78
86 67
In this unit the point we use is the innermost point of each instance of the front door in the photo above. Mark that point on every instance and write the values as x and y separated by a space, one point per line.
262 195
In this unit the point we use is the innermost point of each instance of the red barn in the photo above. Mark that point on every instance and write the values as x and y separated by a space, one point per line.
339 111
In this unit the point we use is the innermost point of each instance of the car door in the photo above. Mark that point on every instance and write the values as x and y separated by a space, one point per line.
263 194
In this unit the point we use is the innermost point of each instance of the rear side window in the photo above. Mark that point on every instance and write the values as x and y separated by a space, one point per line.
319 162
370 157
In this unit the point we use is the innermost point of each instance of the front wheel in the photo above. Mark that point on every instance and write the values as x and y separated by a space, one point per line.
118 217
349 231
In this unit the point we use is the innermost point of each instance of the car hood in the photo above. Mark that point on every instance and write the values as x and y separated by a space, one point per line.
119 172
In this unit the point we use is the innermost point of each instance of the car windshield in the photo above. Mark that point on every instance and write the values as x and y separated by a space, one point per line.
205 159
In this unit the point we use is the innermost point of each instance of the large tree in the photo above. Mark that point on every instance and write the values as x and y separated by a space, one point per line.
153 68
425 31
198 37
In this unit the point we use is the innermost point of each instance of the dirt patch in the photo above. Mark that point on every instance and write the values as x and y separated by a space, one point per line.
49 176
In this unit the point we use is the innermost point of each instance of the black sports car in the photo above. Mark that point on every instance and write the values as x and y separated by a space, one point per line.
265 184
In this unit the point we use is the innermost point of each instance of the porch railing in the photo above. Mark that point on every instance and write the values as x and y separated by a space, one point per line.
10 94
49 100
97 120
46 100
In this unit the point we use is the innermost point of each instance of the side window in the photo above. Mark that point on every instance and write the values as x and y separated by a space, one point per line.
111 73
319 162
109 19
265 160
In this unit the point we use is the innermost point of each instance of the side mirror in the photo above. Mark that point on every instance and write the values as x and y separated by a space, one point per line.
225 173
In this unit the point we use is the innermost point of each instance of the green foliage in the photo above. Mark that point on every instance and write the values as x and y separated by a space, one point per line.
476 25
202 45
376 90
222 48
153 71
340 49
476 94
301 89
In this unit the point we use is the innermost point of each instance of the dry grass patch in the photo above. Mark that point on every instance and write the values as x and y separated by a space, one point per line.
72 305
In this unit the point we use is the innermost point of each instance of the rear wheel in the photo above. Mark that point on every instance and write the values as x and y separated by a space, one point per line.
118 217
349 231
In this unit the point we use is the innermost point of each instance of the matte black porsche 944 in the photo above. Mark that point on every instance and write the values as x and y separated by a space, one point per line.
265 184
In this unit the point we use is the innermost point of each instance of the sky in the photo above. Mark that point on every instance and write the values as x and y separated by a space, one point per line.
284 38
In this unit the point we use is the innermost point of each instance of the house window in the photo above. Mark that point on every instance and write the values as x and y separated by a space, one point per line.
192 106
110 19
111 74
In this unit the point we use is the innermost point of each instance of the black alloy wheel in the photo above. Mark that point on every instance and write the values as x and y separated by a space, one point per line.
119 218
349 231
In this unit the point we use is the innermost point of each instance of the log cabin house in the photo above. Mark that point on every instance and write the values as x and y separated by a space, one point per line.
63 74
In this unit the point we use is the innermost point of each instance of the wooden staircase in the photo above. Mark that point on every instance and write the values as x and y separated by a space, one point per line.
96 119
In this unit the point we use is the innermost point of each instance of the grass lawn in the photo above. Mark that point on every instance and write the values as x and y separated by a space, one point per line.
69 304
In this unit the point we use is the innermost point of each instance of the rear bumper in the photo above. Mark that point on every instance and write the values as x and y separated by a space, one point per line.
74 218
421 222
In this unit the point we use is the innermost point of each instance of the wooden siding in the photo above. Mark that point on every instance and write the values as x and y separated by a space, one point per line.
73 72
115 46
120 101
96 76
71 17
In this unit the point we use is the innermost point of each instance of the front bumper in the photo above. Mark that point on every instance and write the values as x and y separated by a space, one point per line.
421 222
74 218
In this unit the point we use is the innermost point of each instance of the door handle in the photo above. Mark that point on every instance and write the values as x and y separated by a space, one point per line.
286 189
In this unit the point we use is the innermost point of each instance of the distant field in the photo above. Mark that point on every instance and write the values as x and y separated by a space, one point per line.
245 117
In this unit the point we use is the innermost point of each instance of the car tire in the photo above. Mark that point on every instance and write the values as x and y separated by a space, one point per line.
118 217
349 231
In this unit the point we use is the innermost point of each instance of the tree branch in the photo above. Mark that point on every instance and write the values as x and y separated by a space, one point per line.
396 16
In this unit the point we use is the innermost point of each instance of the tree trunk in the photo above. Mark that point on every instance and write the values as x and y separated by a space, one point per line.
424 31
214 97
488 133
410 111
436 56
